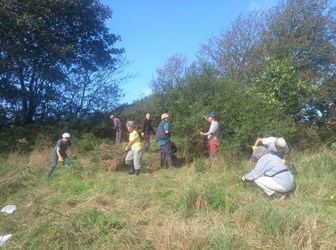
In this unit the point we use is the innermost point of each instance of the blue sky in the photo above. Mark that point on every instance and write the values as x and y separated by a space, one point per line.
154 30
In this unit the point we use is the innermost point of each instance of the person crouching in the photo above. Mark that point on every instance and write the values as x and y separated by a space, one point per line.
270 174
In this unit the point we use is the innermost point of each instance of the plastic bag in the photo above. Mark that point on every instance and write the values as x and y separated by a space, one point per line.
4 238
9 209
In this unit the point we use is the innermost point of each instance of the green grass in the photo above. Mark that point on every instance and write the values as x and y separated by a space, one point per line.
201 205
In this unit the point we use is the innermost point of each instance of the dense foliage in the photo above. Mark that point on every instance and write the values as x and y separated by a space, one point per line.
271 74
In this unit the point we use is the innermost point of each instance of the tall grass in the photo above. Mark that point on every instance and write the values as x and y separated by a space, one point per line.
200 205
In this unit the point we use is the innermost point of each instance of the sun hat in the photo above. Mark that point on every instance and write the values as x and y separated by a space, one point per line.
67 135
280 142
111 116
164 115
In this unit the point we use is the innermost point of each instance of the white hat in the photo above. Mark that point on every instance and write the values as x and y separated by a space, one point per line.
111 116
66 135
164 115
280 143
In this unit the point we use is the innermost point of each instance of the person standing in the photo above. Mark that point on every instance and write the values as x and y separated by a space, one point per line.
162 137
117 125
212 134
275 145
134 148
146 129
59 153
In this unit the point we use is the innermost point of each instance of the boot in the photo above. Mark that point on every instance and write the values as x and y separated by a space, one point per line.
170 162
130 170
137 172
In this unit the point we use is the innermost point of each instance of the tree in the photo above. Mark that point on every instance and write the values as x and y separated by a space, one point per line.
298 34
236 53
170 75
279 85
90 91
271 74
305 31
40 41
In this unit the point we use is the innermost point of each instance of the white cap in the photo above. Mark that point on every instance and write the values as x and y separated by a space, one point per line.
280 143
66 135
111 116
164 115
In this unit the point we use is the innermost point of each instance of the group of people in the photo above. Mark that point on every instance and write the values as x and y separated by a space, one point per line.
134 146
270 172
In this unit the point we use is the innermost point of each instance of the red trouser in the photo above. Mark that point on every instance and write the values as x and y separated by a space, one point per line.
212 145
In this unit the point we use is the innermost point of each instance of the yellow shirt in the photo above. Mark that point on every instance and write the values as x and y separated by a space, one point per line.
135 138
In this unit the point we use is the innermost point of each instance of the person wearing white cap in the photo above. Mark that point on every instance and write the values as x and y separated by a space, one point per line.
275 145
59 152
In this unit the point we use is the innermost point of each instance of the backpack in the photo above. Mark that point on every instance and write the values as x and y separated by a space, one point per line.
173 147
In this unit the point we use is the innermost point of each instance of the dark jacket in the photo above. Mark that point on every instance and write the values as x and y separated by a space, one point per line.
146 126
161 134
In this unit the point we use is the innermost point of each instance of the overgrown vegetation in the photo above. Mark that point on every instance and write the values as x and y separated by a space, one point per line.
271 74
95 204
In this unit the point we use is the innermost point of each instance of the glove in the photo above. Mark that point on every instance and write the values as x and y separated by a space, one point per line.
126 149
201 133
142 134
254 148
73 155
283 160
243 178
60 159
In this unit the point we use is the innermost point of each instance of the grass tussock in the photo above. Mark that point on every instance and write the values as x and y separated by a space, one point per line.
95 204
39 159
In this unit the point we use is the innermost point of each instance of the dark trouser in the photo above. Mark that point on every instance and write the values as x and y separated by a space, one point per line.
166 155
54 162
146 142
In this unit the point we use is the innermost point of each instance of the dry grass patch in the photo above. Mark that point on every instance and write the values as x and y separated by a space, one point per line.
174 233
103 147
84 162
40 159
203 205
112 164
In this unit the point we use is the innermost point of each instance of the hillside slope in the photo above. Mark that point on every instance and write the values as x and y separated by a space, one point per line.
201 205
